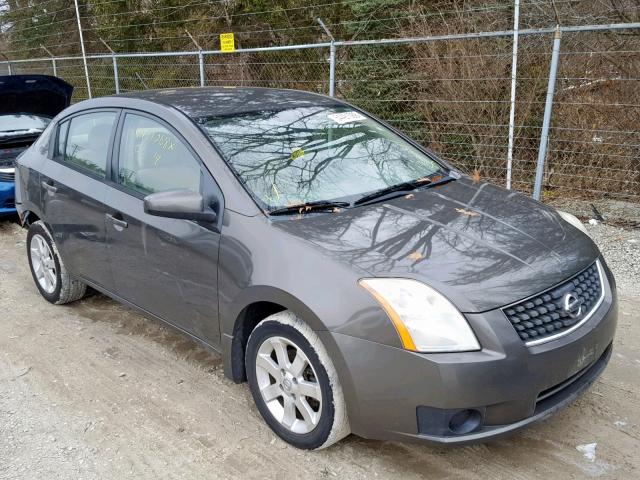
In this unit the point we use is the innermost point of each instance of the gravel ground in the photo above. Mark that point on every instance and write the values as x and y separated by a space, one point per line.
611 210
621 250
94 390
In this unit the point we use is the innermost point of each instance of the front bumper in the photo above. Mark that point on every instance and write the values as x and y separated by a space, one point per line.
7 198
393 394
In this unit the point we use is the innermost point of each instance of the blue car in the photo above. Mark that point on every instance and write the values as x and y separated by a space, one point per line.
27 105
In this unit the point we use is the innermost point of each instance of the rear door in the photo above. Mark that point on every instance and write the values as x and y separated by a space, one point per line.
73 193
166 266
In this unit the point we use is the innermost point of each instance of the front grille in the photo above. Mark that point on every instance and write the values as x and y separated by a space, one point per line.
7 177
538 318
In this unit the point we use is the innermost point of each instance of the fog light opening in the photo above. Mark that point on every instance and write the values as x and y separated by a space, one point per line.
465 421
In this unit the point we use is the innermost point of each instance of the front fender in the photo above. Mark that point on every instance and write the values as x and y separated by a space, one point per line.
252 305
266 293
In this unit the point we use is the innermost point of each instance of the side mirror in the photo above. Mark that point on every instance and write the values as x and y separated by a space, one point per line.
184 204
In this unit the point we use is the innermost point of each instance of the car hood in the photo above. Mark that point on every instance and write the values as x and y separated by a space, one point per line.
480 245
34 95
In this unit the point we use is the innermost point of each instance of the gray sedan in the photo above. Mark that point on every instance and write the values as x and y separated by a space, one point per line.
356 280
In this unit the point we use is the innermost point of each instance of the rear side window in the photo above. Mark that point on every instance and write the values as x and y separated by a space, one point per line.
62 139
153 159
87 141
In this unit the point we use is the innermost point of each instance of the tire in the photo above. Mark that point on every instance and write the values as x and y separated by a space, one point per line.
47 268
307 377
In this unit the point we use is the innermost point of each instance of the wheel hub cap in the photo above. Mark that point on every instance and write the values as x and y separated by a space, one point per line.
287 384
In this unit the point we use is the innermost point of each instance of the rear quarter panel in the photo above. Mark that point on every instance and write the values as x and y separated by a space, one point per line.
28 166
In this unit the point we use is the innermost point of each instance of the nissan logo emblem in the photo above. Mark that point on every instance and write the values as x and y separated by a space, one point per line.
572 305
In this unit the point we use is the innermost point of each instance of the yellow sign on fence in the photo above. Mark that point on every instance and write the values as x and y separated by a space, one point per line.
227 42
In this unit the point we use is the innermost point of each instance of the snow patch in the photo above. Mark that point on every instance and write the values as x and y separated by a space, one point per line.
588 450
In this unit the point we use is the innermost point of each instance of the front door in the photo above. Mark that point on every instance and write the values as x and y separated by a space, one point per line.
73 193
168 267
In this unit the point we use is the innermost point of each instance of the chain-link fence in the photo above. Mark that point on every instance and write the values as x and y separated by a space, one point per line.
451 93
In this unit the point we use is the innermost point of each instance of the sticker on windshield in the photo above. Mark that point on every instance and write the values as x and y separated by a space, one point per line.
297 153
346 117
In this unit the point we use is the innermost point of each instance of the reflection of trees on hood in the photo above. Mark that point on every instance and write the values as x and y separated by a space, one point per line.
385 239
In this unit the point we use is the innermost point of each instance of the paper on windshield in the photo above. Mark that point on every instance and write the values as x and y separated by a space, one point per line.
346 117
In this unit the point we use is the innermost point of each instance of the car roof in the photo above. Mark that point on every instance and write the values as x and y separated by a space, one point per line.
198 102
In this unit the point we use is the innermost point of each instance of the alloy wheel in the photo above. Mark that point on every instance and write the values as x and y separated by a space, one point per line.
44 265
288 385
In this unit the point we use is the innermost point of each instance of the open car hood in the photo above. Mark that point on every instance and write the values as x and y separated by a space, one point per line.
34 95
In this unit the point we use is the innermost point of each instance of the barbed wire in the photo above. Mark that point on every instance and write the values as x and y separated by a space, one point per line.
253 34
312 25
452 95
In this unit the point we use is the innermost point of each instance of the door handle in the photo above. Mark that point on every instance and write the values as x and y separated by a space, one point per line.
118 223
49 187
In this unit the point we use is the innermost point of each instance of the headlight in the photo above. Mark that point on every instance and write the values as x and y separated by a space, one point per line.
425 320
573 220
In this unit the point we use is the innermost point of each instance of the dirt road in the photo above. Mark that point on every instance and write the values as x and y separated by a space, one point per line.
94 390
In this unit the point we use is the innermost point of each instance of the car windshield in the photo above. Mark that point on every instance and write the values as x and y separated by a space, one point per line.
24 124
312 154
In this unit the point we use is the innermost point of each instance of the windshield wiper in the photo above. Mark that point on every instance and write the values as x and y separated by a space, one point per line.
404 187
308 207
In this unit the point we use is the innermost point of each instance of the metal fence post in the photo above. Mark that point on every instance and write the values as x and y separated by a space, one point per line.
514 74
332 58
53 60
8 62
116 76
201 64
546 122
332 69
84 52
200 57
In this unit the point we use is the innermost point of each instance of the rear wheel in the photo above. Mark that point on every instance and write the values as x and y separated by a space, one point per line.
294 383
49 273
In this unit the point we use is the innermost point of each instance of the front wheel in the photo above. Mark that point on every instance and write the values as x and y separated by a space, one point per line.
294 383
47 268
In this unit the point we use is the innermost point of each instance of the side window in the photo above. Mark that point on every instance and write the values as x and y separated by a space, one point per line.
43 143
87 141
153 159
61 140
